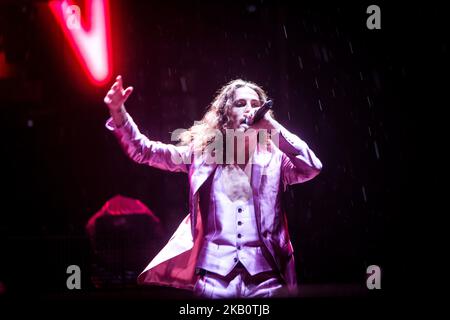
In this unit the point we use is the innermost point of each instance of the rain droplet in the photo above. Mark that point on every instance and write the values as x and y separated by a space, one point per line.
351 47
364 194
300 62
285 33
369 102
183 84
377 153
325 54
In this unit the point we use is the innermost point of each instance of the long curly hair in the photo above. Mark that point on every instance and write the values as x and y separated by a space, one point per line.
203 132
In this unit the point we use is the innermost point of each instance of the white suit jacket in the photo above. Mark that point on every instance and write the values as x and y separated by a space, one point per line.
272 170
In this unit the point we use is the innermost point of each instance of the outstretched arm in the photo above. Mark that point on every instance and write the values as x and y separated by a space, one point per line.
137 146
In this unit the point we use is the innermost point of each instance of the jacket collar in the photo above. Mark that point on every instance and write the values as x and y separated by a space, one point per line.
202 169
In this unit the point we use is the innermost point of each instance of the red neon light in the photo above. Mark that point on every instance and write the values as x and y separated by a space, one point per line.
92 44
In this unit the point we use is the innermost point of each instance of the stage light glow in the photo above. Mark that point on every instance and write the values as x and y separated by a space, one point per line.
91 42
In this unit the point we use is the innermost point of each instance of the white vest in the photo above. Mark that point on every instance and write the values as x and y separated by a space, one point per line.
231 232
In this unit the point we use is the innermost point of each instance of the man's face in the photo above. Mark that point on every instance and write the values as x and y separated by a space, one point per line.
245 100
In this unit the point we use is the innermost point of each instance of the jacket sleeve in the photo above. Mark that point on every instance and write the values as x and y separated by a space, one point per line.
145 151
299 163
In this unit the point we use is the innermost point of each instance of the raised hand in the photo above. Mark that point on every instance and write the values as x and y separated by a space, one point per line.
116 96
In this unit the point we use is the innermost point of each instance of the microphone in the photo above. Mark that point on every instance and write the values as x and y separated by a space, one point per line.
260 113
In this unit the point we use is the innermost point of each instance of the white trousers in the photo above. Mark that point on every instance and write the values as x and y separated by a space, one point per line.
238 284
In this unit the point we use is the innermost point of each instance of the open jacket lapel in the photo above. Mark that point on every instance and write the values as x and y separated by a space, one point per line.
260 161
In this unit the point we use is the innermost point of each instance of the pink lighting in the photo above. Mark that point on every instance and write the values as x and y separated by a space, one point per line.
90 42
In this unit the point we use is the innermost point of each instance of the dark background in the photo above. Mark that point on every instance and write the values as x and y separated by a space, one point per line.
349 92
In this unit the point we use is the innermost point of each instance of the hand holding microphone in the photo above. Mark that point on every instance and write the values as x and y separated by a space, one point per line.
260 113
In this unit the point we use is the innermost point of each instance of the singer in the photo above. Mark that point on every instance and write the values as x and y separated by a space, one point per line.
234 242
